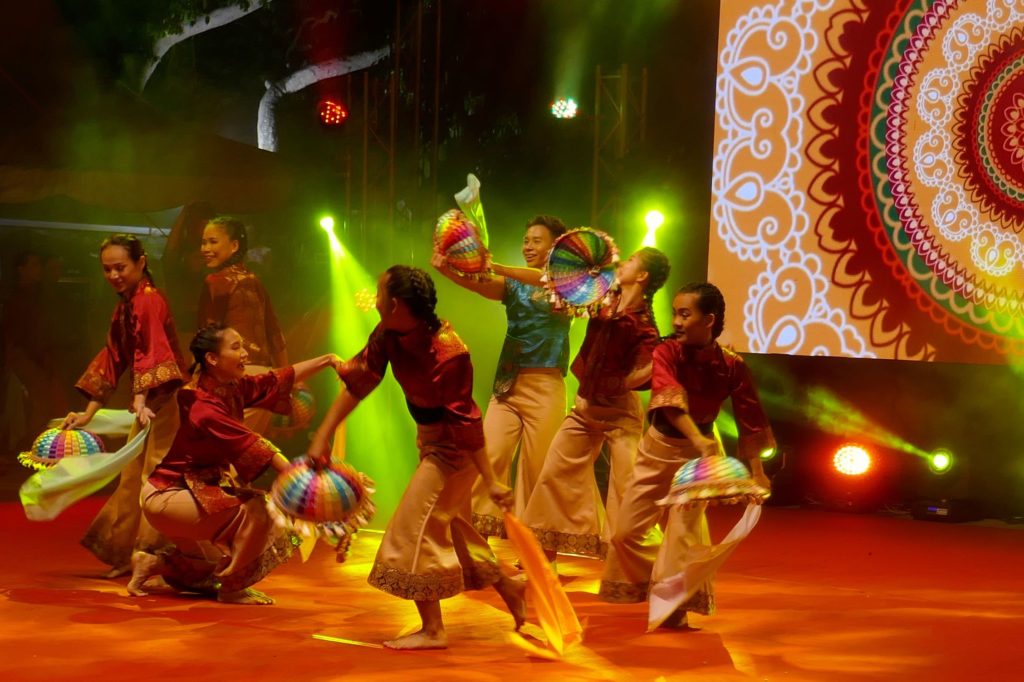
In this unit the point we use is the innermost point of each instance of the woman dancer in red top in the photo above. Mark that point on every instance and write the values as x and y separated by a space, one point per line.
430 550
197 496
613 364
143 341
233 296
692 377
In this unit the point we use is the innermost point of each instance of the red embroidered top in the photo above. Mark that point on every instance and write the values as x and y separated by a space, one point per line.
212 436
434 371
614 347
697 381
142 338
235 297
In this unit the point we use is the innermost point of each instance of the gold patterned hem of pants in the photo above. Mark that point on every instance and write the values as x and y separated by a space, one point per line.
416 586
586 544
615 592
258 568
489 526
702 602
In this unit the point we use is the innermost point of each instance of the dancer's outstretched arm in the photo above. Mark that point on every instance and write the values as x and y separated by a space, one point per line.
320 447
531 276
492 288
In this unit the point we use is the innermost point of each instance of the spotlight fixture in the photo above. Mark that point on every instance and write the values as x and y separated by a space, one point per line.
331 112
852 460
653 219
564 108
940 461
366 300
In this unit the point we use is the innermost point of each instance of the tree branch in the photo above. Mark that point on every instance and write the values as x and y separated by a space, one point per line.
266 128
207 22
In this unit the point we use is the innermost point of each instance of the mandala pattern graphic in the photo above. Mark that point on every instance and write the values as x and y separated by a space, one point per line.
869 177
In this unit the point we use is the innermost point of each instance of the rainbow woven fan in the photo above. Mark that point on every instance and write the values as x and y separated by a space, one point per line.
581 270
721 479
460 241
333 502
54 444
303 410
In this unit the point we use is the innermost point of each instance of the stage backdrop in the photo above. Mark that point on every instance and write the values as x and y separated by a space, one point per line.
869 178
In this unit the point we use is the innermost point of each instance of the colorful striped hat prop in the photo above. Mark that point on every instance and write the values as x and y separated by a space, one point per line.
719 479
580 271
53 445
462 244
303 410
333 502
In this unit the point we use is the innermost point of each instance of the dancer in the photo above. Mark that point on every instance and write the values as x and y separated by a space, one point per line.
142 339
233 296
191 497
692 377
430 550
612 365
528 399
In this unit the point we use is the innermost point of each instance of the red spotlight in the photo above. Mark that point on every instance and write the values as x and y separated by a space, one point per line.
852 460
331 112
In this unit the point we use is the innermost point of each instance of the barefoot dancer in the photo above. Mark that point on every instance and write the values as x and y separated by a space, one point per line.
612 365
186 499
142 339
430 550
528 401
692 377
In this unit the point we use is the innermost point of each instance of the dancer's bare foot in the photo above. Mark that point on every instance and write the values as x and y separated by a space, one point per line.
144 567
419 640
117 572
246 596
513 592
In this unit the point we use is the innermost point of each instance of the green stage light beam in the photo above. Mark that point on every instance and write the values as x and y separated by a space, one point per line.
654 219
380 437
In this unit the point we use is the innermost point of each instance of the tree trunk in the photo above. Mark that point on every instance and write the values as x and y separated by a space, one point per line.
266 128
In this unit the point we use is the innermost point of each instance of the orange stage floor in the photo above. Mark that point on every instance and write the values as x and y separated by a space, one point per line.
809 596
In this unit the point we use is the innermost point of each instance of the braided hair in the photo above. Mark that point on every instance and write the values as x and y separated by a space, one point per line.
415 288
656 265
710 301
206 340
131 244
236 232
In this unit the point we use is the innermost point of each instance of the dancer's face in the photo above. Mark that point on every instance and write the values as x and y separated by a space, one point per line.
691 325
537 244
120 271
217 246
228 363
631 271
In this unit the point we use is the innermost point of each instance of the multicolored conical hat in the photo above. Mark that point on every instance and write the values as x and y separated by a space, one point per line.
581 269
303 410
53 445
332 502
721 478
460 241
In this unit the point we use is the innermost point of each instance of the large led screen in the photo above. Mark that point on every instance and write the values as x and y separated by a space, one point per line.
868 178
